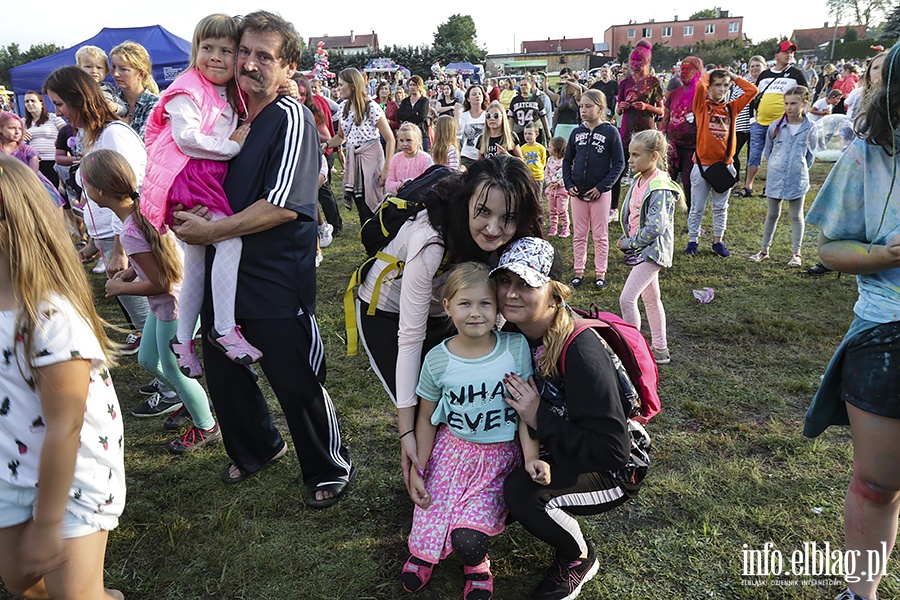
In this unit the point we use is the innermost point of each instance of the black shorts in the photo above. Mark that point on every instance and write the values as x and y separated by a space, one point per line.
870 375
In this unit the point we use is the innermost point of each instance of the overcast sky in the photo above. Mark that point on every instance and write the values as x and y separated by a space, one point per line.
501 26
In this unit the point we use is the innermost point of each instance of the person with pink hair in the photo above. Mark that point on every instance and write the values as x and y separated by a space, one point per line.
679 124
640 102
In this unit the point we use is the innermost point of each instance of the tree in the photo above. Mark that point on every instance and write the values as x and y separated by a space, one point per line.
456 37
12 56
891 27
850 34
864 12
706 13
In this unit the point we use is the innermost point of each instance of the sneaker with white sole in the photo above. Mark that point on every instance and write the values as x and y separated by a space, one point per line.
795 261
613 215
565 579
177 419
662 357
325 234
157 405
721 249
194 439
100 267
132 344
153 387
319 258
235 346
759 256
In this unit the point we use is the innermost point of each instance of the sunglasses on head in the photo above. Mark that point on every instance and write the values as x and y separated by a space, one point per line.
492 115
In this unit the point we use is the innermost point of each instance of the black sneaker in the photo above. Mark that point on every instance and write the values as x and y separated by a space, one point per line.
565 579
177 419
818 269
157 405
155 386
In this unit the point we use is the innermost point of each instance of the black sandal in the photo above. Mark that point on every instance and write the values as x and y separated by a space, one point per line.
576 281
745 193
335 487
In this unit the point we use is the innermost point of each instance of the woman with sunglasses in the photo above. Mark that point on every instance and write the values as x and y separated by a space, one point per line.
498 138
471 123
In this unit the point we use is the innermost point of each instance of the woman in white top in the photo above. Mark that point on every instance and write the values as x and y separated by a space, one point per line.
467 217
362 125
42 129
471 123
78 98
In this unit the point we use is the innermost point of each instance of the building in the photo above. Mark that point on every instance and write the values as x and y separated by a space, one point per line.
676 33
813 39
550 55
348 44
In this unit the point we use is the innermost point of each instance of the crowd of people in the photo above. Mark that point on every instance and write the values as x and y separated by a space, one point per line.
211 201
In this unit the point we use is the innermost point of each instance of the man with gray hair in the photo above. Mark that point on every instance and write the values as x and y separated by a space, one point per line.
272 188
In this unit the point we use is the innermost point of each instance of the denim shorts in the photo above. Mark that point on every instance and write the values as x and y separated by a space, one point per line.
870 375
17 506
757 144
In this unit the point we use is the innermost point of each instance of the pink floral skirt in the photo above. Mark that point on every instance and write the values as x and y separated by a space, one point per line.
465 481
200 184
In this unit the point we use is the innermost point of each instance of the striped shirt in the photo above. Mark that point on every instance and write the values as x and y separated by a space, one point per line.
279 163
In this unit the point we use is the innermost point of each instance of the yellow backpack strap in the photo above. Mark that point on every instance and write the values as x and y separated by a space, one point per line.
350 310
394 264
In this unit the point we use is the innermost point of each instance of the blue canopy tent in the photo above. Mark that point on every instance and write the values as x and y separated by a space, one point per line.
465 68
169 54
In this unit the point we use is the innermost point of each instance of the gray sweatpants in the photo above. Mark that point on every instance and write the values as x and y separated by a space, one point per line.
700 191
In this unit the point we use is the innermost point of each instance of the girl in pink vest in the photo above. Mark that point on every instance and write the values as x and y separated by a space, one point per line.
191 135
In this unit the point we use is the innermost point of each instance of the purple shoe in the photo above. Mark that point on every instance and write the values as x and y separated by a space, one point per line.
235 346
188 361
720 249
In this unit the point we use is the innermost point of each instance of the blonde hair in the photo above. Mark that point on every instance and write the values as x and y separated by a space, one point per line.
92 52
218 26
467 275
42 260
110 173
598 98
412 130
558 331
358 99
507 139
653 140
444 138
136 56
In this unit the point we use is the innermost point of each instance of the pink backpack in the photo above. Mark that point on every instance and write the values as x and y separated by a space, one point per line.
631 347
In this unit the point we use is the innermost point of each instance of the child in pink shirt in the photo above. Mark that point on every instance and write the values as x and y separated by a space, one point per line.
410 162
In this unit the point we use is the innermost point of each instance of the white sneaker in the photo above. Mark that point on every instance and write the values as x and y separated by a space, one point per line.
795 261
100 267
325 234
613 215
319 258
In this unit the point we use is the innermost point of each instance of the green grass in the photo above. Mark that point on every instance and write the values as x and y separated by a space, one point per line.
729 464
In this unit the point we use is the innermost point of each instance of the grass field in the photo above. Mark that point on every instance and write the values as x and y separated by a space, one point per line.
730 469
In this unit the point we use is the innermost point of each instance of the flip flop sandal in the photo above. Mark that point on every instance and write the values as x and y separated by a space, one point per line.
229 476
335 487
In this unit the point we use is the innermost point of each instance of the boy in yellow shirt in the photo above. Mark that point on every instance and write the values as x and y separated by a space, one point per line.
534 154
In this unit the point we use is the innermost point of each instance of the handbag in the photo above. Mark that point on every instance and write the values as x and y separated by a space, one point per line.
718 174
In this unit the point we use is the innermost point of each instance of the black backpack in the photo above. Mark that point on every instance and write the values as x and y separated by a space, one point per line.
378 231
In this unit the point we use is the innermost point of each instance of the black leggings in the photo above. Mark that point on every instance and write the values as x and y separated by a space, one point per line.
547 511
470 546
617 186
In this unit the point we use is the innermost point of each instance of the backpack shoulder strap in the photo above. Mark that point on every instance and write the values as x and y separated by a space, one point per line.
580 326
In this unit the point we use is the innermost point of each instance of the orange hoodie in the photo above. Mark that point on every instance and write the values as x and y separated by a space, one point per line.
714 124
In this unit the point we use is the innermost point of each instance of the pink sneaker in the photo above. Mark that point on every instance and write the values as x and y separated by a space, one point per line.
565 232
479 581
188 362
235 346
552 231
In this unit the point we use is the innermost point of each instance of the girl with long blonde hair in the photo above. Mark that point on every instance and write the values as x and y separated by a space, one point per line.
498 137
59 407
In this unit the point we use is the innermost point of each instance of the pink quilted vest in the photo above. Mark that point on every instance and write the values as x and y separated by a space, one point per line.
164 159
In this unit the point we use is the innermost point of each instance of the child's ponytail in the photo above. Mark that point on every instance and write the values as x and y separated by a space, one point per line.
110 173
